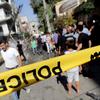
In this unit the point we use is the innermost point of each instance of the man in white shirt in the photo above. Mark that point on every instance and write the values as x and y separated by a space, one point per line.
11 58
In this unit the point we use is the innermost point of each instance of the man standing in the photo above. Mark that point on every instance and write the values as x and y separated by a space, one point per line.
83 43
83 39
11 58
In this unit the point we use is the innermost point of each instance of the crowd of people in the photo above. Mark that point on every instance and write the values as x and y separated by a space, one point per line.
62 41
69 39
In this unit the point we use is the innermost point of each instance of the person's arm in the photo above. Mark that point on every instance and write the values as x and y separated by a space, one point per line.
59 50
19 61
79 47
18 57
79 43
92 27
90 43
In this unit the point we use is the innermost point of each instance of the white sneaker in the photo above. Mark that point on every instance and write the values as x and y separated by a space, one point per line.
28 90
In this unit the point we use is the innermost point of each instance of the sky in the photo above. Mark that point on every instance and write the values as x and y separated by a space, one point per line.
26 9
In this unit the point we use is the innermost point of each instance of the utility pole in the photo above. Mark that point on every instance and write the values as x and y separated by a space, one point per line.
46 15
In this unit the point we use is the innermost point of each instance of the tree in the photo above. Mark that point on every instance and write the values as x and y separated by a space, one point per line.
37 6
70 21
39 10
64 20
83 11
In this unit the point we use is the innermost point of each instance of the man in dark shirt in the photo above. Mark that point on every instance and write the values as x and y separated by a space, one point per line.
61 43
82 43
83 39
20 50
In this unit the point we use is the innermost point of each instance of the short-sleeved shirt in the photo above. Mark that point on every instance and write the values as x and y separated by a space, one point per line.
84 39
75 69
20 49
86 31
61 42
10 57
34 44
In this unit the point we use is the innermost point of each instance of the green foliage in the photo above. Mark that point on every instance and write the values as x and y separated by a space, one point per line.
52 1
36 5
85 7
55 1
70 21
38 8
88 7
25 34
62 21
58 22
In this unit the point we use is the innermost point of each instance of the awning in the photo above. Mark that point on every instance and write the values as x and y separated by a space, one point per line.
68 4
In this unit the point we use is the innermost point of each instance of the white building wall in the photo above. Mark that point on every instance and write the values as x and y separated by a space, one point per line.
57 9
9 1
4 18
5 29
2 14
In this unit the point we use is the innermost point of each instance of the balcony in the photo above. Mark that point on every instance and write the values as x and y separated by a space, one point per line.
6 18
4 1
5 4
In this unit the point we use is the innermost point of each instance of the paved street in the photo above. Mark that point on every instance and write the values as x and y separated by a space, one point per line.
50 90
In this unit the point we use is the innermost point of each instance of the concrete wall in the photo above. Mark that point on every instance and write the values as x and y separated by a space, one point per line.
5 29
2 14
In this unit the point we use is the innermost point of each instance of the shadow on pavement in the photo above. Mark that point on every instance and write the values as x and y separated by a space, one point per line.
92 70
63 80
95 70
93 96
94 73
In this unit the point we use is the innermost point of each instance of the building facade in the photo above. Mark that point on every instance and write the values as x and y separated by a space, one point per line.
66 7
24 24
7 25
34 28
27 26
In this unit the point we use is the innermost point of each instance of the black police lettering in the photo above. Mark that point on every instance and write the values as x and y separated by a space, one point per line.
48 71
55 68
34 74
18 80
24 78
2 86
95 55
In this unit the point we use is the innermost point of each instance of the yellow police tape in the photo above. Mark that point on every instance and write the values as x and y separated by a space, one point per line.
18 78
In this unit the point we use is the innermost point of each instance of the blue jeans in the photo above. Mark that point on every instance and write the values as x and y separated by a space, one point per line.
15 96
